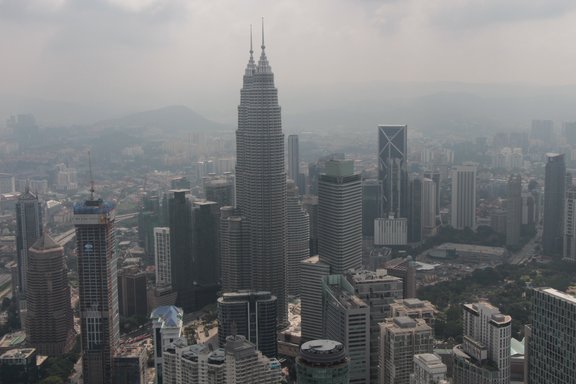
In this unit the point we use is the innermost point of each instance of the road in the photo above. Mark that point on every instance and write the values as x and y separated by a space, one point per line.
527 252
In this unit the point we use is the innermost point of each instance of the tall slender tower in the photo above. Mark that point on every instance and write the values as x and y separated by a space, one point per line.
98 286
261 178
464 197
392 146
554 194
514 210
28 230
293 158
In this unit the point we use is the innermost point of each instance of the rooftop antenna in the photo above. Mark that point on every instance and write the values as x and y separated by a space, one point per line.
251 50
91 176
263 46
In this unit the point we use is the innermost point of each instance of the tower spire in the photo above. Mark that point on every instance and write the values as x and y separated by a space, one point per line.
263 46
251 49
251 67
91 176
263 65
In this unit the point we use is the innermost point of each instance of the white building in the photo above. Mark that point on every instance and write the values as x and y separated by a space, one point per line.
167 326
569 249
464 197
428 369
312 270
162 257
429 202
484 355
245 364
391 231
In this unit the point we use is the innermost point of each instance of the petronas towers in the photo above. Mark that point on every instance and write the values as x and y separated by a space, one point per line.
260 190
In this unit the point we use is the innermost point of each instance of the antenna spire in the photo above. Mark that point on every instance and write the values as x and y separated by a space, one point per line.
251 50
263 46
91 176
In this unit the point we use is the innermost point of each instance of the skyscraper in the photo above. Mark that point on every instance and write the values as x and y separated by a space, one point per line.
249 313
392 147
220 189
514 211
323 362
485 351
234 251
98 291
371 203
261 179
298 247
415 210
435 177
554 195
429 204
340 217
49 323
464 197
551 338
293 158
162 257
569 249
312 272
28 230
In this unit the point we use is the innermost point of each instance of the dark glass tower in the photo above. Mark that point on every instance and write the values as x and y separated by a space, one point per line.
28 230
554 191
261 179
392 146
98 288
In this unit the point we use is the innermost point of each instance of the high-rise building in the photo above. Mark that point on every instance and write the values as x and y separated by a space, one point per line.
132 292
205 222
298 239
28 230
312 270
162 258
392 169
569 249
310 205
323 362
429 207
130 365
249 313
415 309
435 177
415 210
464 197
347 320
196 363
98 291
340 217
400 339
49 323
428 369
293 158
167 324
405 269
551 338
484 355
570 132
391 231
236 263
554 195
371 206
220 189
379 290
261 179
514 211
245 364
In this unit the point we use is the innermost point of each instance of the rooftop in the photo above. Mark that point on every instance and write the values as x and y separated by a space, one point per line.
170 315
91 207
561 295
18 353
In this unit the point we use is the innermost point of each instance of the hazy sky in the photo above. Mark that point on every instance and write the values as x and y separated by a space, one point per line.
193 52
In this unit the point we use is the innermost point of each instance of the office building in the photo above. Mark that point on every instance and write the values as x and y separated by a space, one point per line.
151 215
464 197
220 189
312 270
196 363
379 290
340 216
19 366
298 238
293 158
49 323
554 197
180 182
415 309
429 207
323 362
98 291
130 364
435 177
484 355
392 169
347 320
400 339
249 313
261 179
167 326
28 231
310 205
236 263
514 211
391 231
570 132
245 364
7 183
205 222
371 206
569 248
551 338
132 292
162 258
415 210
405 269
428 369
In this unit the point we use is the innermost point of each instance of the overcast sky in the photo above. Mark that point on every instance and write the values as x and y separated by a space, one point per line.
151 53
